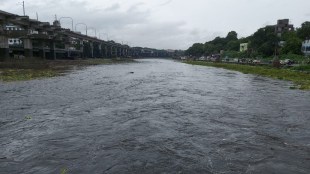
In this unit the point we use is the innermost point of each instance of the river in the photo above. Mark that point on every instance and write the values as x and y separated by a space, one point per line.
154 116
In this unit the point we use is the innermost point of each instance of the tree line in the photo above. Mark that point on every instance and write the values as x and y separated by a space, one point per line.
263 43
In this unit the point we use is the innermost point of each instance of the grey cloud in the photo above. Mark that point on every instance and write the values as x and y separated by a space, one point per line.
117 20
156 35
113 7
109 18
194 32
147 23
3 2
166 3
135 6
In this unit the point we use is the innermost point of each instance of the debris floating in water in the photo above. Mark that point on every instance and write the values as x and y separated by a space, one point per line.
28 117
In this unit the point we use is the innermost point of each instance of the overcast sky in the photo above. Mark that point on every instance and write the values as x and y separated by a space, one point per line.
165 24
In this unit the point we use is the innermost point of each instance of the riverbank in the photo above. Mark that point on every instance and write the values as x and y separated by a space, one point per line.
28 69
301 80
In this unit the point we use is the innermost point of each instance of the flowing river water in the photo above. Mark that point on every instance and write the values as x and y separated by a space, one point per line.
154 116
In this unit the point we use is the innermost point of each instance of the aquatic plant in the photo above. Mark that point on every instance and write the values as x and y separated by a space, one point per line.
63 171
300 79
28 117
17 70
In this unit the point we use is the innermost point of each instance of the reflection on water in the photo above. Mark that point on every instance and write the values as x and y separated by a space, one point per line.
166 117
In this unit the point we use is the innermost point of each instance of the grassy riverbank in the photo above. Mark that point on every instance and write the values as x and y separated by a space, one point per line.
300 79
28 69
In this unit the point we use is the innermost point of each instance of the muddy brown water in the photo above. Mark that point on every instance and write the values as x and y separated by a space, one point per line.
154 116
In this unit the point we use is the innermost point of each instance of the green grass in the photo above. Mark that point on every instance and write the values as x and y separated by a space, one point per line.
300 79
29 69
63 171
25 74
305 68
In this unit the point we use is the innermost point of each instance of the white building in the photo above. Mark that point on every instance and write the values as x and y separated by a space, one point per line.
305 48
14 41
244 47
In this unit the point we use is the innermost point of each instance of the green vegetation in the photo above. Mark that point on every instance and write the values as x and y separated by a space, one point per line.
28 69
305 68
300 79
25 74
292 45
263 43
230 42
28 117
304 30
63 171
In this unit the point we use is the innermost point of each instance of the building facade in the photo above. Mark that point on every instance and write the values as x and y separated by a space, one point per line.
305 48
283 25
244 47
14 41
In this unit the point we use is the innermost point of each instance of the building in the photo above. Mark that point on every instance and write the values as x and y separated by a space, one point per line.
283 25
305 48
14 41
56 24
244 47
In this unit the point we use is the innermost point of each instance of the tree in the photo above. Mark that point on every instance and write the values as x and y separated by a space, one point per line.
196 50
232 36
264 40
233 45
209 48
219 44
292 43
304 32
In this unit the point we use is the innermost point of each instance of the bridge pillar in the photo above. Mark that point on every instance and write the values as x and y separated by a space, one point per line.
116 52
111 51
81 49
4 48
126 52
106 51
67 48
92 49
28 49
129 52
100 50
53 50
119 52
123 52
42 50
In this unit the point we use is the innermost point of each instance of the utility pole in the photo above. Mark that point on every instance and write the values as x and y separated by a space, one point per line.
24 8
